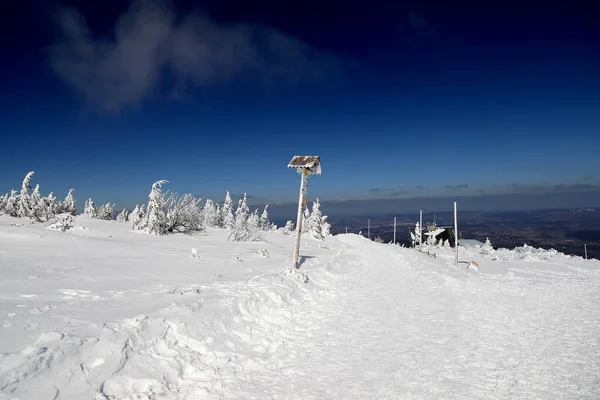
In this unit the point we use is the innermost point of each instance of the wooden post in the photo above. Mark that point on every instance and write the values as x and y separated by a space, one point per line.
455 235
301 207
585 250
394 230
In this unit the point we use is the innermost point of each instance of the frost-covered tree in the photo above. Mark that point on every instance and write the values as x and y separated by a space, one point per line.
487 247
68 204
138 218
183 214
316 224
37 205
106 212
90 209
227 218
288 228
417 235
210 215
11 206
52 207
242 230
24 206
254 221
264 222
123 216
3 199
241 213
155 215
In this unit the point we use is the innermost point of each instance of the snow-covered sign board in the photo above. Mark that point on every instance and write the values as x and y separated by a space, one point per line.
305 165
310 163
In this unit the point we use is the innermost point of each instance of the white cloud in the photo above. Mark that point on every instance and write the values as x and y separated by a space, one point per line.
151 38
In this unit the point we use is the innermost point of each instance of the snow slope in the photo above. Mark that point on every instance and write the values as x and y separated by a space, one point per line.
101 312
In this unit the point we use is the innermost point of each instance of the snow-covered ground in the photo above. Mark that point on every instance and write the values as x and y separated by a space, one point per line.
102 312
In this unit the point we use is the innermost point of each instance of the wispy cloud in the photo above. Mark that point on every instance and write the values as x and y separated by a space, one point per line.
150 38
589 178
575 187
398 193
461 186
421 187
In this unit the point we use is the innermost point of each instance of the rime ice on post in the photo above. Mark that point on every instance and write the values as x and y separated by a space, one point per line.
305 165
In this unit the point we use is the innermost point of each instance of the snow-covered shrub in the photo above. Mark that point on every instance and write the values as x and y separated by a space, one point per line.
227 219
253 221
51 205
316 224
210 214
24 207
242 230
90 209
487 248
288 228
264 222
3 199
138 218
68 204
183 214
155 215
123 216
416 238
62 222
11 206
378 239
106 212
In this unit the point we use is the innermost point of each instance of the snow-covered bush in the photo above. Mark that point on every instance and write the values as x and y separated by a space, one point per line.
155 215
24 202
378 239
183 214
487 248
90 209
68 204
227 219
123 216
242 230
263 222
288 228
62 222
416 238
11 206
106 212
316 224
138 218
51 205
210 214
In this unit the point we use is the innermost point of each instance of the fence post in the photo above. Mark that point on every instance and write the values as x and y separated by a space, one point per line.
394 230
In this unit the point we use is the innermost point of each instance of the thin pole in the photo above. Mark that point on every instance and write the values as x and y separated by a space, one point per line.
346 230
585 249
455 234
420 229
301 206
394 230
369 228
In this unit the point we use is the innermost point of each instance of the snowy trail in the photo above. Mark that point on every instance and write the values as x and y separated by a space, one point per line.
408 331
229 322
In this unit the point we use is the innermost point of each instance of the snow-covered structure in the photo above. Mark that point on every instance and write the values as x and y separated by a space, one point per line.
227 218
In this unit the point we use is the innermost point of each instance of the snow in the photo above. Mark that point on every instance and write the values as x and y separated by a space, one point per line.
102 312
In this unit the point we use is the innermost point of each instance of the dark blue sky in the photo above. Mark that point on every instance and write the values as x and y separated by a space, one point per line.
400 100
